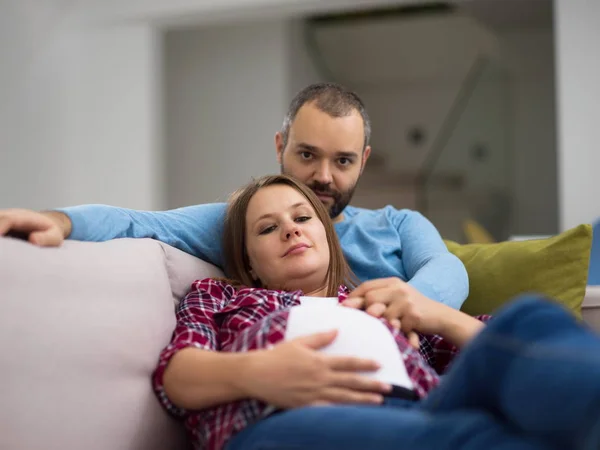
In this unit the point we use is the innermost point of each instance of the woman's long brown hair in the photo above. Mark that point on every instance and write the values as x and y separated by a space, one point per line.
237 265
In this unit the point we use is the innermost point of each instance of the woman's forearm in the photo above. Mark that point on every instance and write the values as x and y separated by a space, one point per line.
197 379
458 327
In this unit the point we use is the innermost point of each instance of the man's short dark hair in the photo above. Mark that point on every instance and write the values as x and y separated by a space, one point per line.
331 98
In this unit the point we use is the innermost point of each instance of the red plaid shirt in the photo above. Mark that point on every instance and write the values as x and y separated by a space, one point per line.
215 316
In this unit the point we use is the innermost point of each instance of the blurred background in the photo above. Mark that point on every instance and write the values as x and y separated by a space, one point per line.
483 111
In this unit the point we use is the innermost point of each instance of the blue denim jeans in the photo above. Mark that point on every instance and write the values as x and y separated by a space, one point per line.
529 380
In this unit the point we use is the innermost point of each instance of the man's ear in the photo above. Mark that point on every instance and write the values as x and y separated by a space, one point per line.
279 147
365 157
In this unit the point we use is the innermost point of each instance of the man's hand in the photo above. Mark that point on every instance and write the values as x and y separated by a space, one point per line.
47 229
400 303
293 374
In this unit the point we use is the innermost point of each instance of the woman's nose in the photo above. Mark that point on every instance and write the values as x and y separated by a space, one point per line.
289 234
291 231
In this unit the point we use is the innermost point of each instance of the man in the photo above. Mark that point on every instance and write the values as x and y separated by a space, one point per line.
324 142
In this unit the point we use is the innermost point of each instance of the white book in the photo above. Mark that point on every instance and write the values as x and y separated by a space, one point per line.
359 335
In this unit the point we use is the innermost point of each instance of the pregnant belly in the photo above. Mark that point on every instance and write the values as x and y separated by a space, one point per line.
359 335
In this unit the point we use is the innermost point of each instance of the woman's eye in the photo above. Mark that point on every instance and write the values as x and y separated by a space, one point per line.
302 218
267 230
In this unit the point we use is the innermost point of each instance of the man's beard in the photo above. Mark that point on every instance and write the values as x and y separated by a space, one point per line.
340 199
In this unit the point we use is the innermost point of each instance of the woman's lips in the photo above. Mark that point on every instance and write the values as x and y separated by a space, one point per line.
296 249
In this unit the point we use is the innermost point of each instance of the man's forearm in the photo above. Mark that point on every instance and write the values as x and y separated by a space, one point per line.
444 279
62 220
197 379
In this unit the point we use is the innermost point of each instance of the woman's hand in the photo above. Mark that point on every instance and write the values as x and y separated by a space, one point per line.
293 374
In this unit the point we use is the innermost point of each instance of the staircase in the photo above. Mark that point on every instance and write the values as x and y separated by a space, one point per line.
438 71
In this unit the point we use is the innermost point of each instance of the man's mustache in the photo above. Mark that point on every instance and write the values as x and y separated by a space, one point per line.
324 190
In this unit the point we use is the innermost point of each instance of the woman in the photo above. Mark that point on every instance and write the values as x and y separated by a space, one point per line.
281 249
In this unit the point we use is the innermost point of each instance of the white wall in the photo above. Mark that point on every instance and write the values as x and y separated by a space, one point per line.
578 93
529 55
78 119
226 94
303 67
227 90
114 139
34 57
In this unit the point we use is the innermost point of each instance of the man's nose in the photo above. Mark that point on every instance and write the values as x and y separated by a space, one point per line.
323 173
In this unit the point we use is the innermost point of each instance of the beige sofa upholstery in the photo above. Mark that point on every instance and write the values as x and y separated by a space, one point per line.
81 328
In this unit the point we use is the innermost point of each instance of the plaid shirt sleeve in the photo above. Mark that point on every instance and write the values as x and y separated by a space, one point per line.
196 327
438 352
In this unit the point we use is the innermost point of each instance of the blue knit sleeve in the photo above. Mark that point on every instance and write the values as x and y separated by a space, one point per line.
429 266
194 229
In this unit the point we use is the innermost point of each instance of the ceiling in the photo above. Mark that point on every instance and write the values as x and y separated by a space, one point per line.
496 14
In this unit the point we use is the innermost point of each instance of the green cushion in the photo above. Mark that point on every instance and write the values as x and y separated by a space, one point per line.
556 267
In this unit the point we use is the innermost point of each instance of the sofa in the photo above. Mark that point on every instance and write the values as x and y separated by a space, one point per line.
80 331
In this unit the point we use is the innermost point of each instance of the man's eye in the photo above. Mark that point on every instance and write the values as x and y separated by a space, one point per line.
345 161
267 230
303 218
306 155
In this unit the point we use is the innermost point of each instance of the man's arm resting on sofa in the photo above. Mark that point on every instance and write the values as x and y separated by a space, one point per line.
195 229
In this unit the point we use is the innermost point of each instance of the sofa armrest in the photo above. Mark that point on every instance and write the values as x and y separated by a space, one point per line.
81 329
590 307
